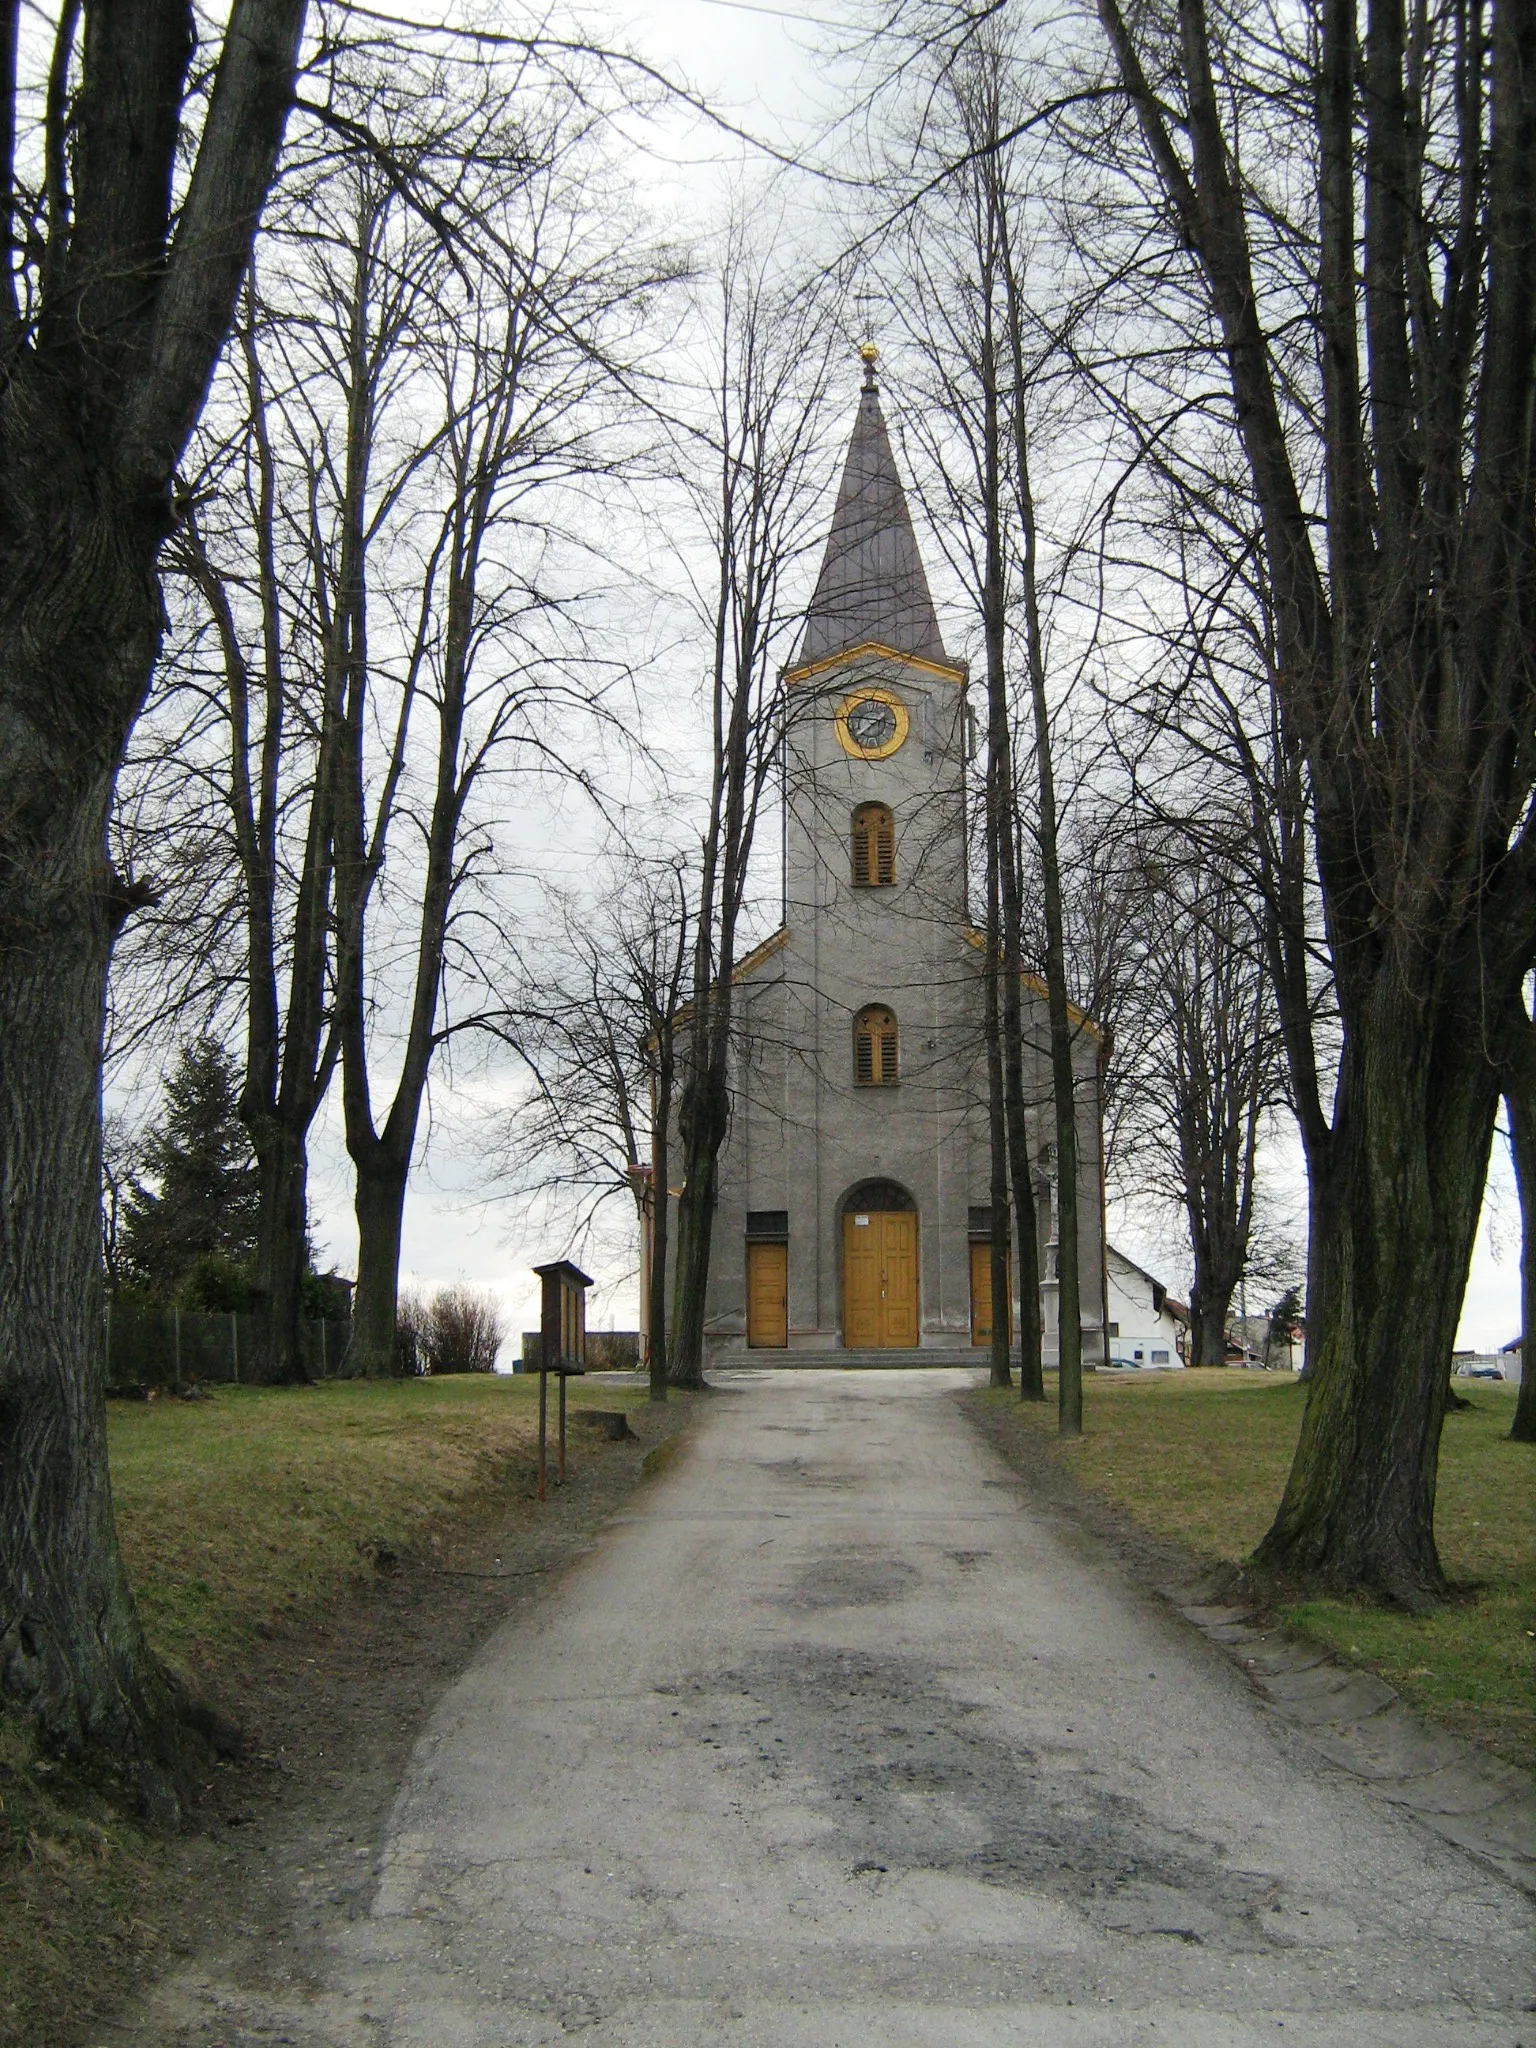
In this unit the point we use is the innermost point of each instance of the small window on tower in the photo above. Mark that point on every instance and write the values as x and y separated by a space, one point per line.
874 847
874 1048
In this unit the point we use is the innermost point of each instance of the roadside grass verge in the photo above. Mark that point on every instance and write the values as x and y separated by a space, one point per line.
233 1510
1202 1457
234 1513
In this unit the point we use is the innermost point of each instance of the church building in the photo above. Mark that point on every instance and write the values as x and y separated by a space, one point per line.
853 1211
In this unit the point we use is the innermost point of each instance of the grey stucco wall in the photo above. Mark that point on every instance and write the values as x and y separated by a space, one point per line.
802 1134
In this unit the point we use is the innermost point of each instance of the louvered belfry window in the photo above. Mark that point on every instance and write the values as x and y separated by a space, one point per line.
874 847
874 1047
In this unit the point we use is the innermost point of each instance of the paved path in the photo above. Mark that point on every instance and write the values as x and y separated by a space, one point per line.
839 1738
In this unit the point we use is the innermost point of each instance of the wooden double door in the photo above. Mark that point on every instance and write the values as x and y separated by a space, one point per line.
880 1280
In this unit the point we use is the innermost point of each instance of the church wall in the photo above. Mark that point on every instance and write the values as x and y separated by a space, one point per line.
802 1133
897 947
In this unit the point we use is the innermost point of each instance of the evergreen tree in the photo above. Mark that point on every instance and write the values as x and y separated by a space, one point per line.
201 1197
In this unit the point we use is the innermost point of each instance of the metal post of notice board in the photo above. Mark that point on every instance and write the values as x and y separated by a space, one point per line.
562 1346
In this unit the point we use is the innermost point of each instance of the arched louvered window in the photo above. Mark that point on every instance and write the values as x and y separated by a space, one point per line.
874 846
874 1047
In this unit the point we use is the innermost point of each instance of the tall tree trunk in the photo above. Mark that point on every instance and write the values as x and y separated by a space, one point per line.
997 1139
288 1061
656 1306
1521 1103
72 1653
102 385
1208 1327
702 1126
1069 1307
1026 1222
1519 1082
1406 665
282 1248
999 813
1411 1142
379 1205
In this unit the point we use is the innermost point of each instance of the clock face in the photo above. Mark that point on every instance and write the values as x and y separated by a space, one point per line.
872 724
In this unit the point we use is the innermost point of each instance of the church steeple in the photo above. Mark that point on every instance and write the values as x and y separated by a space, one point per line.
872 586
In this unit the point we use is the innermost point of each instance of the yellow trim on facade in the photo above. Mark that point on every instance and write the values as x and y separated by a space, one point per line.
754 959
955 672
1033 982
872 694
760 953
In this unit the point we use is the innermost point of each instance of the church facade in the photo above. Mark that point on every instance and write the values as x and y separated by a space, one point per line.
853 1208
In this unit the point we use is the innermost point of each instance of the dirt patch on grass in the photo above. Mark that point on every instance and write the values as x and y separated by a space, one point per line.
332 1686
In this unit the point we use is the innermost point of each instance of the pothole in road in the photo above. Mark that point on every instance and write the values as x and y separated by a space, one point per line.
907 1780
853 1578
801 1472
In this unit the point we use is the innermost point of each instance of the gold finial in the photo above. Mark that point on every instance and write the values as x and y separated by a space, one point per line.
871 356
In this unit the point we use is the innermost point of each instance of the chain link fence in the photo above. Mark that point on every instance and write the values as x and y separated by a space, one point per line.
150 1345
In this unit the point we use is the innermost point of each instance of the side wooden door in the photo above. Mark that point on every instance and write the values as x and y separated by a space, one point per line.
862 1320
981 1296
767 1296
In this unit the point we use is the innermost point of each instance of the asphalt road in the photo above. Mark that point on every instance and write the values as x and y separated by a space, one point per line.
839 1737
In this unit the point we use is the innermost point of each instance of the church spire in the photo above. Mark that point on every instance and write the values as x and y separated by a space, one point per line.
871 586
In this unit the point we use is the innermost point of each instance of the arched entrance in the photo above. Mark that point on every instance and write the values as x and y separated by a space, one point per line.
880 1305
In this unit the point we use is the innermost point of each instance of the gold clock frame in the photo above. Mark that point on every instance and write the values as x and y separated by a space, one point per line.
872 693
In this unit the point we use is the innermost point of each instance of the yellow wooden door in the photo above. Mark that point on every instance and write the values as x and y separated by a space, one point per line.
899 1235
861 1280
768 1296
880 1281
981 1295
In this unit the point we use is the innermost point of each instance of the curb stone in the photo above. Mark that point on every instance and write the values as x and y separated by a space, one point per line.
1361 1725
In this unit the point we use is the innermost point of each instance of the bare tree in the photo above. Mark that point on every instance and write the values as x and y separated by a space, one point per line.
518 360
1048 839
277 780
657 949
1203 1054
1403 657
751 468
425 375
131 200
989 368
594 1022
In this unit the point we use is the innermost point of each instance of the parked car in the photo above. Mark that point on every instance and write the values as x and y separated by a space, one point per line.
1481 1372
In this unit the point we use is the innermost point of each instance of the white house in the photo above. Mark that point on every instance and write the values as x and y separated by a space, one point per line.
1147 1327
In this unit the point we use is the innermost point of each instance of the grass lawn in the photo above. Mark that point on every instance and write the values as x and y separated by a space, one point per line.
233 1509
1202 1457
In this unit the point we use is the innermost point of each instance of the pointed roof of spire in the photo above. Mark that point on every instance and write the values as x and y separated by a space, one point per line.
872 586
